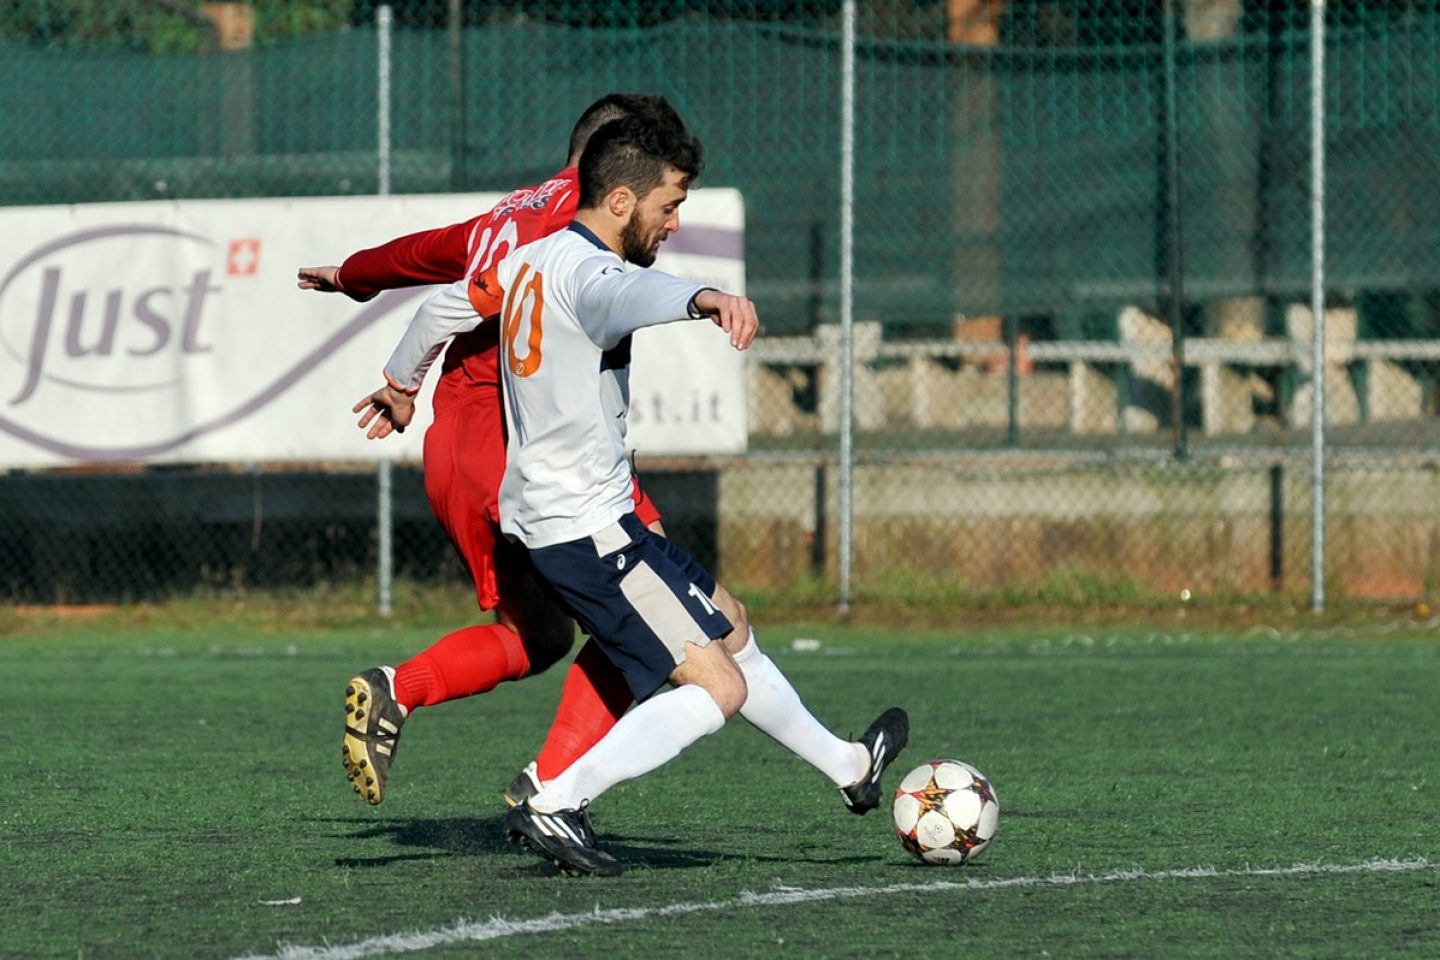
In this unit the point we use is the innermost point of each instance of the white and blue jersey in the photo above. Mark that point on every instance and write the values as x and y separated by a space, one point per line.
568 312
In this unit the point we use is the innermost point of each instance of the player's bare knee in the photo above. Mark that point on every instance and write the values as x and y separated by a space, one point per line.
711 668
729 692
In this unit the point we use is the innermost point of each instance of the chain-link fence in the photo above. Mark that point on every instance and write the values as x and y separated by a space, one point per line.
1081 319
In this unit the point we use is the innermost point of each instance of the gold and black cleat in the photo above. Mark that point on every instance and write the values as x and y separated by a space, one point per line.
372 731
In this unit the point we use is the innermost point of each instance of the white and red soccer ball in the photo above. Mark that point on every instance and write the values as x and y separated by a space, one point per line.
946 812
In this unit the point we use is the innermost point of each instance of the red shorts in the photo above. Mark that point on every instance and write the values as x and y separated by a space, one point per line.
464 464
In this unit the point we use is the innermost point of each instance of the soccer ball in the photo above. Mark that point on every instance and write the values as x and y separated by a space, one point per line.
946 812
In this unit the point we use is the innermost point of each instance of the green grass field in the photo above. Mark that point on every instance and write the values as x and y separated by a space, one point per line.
176 791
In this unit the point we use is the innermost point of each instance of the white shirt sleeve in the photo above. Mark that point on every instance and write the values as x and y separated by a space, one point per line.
613 303
445 313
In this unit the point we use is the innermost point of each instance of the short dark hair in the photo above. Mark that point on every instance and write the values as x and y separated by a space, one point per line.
634 152
614 106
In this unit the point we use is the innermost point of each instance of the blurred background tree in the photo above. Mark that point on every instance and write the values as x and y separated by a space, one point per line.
160 26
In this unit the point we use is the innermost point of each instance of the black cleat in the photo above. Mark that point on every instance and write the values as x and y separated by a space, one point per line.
372 731
564 837
884 740
527 783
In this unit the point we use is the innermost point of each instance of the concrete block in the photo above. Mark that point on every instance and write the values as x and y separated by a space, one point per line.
1226 400
1392 392
1092 399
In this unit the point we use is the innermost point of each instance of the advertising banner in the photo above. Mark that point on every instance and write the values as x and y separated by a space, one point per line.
174 332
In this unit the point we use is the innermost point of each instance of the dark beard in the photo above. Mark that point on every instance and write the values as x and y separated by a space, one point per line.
633 246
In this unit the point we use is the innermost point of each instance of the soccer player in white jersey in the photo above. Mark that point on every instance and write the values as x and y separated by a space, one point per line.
634 222
567 308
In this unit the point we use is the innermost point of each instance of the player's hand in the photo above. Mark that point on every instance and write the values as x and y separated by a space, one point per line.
386 411
324 279
735 315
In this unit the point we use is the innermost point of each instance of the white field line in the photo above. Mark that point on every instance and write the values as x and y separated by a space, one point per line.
498 928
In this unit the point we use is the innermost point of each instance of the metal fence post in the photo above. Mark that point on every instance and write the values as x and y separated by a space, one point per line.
384 512
1173 243
1317 303
847 304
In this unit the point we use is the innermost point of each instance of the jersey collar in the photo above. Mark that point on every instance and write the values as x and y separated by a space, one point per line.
589 234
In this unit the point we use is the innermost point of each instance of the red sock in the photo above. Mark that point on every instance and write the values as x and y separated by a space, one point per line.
594 698
459 664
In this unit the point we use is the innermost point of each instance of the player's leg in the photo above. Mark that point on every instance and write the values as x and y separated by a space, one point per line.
464 458
774 707
595 693
647 603
594 697
708 690
656 624
556 822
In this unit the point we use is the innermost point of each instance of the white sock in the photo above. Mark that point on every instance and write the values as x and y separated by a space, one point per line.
650 735
773 705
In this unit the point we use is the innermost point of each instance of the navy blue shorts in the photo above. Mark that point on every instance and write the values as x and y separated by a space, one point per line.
640 596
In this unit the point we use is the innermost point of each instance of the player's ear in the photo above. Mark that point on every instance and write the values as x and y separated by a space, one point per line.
621 202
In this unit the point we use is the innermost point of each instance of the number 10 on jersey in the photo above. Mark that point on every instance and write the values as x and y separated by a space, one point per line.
528 296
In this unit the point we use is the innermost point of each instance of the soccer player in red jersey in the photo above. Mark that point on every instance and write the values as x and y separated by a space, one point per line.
464 460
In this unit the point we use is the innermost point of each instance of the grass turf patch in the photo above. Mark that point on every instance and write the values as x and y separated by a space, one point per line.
171 791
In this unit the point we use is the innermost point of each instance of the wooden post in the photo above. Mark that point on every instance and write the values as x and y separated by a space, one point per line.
234 27
973 22
976 263
234 24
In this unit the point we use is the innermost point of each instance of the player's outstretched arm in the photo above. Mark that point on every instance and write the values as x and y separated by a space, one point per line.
735 315
429 256
614 303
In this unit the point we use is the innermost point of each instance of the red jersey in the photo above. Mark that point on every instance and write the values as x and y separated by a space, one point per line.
463 250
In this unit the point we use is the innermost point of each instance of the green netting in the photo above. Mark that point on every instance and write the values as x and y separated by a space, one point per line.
1033 180
1024 177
